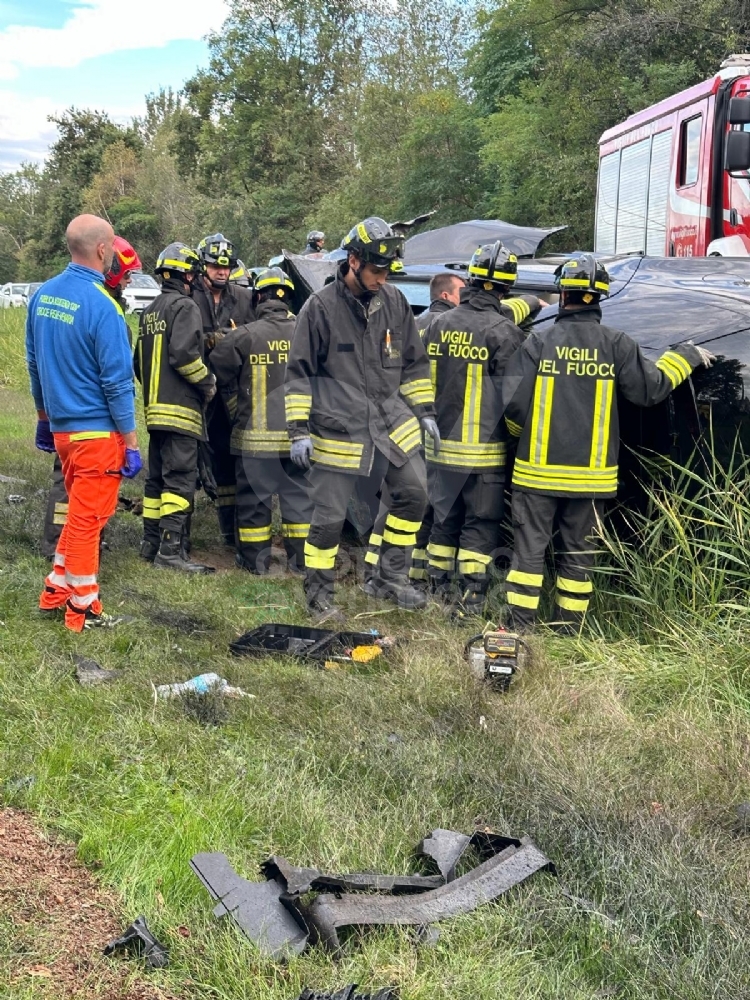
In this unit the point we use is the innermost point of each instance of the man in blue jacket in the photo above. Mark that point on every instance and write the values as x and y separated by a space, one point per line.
81 372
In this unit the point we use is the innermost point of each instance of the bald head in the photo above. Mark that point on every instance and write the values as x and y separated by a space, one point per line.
90 242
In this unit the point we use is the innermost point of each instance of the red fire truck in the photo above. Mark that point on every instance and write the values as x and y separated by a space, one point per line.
674 179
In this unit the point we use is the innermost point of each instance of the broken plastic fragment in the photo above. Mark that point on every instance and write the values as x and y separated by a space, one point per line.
89 673
139 939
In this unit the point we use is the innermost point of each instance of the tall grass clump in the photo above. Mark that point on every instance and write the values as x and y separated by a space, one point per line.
684 559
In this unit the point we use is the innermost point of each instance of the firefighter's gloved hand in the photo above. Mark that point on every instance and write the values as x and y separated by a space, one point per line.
301 452
430 427
133 463
707 358
43 439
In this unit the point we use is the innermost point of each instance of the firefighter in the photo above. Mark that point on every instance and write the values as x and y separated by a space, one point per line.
468 348
445 294
177 387
240 275
223 306
445 291
358 395
315 243
116 278
250 364
561 389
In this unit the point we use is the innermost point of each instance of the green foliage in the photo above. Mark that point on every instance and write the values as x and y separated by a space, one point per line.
315 113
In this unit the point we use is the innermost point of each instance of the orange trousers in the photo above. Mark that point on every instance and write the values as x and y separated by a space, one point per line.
91 461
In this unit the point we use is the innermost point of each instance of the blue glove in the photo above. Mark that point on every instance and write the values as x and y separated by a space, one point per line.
44 440
301 452
430 427
133 463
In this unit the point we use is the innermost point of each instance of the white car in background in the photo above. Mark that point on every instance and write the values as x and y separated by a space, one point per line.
12 294
141 292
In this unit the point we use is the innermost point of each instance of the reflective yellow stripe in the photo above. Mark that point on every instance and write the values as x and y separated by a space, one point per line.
472 405
673 373
294 530
297 406
152 508
255 534
433 375
375 540
571 479
406 430
259 381
525 579
519 308
394 538
153 391
171 503
574 586
490 455
522 600
316 558
447 565
681 364
515 429
259 440
372 558
338 447
419 554
401 525
106 294
339 454
228 490
416 387
604 393
177 416
231 406
194 372
416 573
572 603
541 418
476 556
90 435
441 550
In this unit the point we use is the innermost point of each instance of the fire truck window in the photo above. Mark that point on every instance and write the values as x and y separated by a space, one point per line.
690 146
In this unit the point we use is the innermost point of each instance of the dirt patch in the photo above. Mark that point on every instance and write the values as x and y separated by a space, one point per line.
55 921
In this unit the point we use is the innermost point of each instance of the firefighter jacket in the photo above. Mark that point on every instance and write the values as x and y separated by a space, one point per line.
169 363
235 308
250 364
358 378
562 387
468 347
437 307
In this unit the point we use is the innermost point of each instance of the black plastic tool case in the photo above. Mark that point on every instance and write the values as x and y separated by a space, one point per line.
298 640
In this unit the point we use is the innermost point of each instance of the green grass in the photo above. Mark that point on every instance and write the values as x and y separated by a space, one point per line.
622 756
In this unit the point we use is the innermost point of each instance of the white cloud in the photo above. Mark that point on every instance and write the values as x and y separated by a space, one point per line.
102 27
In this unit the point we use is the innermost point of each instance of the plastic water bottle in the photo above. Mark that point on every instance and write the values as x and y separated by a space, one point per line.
201 684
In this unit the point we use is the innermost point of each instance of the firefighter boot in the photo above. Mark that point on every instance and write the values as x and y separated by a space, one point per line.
369 577
473 600
151 538
319 595
226 514
170 555
253 558
441 587
295 556
392 581
185 543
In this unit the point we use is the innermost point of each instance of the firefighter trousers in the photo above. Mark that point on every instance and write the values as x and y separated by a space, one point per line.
406 486
257 481
91 461
465 533
170 484
418 568
223 467
536 519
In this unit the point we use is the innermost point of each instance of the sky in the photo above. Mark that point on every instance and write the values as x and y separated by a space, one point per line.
100 54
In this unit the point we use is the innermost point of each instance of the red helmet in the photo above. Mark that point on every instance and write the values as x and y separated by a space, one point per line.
124 259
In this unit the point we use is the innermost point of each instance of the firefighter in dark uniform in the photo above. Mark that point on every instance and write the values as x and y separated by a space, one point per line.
177 386
358 396
468 348
445 289
250 364
116 279
561 389
224 306
315 243
240 276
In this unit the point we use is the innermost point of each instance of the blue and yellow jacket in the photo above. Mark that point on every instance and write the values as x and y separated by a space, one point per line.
78 354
